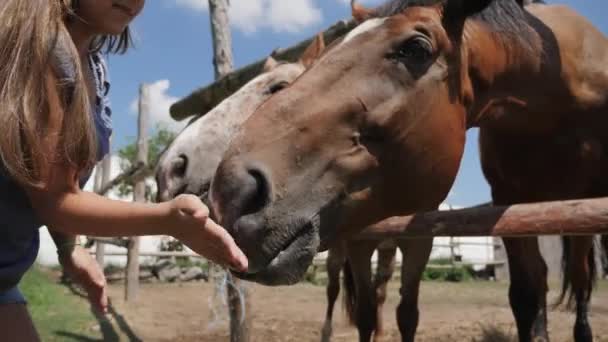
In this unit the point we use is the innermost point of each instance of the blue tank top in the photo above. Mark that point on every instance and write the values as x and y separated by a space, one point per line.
19 225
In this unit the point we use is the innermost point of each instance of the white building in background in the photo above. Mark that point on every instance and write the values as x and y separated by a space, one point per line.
477 250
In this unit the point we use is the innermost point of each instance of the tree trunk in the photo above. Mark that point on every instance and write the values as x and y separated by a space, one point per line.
222 38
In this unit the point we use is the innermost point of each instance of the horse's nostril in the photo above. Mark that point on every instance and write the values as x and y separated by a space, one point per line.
179 166
260 196
239 188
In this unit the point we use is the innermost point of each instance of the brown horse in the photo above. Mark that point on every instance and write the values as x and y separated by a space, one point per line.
188 164
604 246
376 128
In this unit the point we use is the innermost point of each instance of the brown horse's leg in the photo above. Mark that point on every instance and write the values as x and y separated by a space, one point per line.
416 254
384 273
604 243
528 289
581 271
335 261
359 254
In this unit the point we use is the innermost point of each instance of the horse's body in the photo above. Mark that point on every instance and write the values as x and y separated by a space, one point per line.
386 132
560 153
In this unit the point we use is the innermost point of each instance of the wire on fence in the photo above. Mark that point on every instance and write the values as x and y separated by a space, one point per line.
218 302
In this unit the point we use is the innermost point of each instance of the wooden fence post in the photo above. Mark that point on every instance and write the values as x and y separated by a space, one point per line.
104 172
222 38
501 272
139 194
222 61
97 185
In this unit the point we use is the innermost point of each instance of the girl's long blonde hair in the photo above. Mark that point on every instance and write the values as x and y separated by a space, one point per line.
30 33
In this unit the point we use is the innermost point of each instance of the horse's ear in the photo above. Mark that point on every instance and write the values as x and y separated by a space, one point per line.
360 13
269 64
314 51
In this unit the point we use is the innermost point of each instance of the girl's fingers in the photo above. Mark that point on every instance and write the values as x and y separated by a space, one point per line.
192 205
232 254
216 243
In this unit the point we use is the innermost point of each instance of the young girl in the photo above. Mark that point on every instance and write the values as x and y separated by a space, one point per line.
55 123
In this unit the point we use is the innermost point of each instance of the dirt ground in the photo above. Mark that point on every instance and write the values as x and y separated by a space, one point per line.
471 311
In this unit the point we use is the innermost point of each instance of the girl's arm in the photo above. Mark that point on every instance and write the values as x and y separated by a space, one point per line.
62 205
64 242
78 212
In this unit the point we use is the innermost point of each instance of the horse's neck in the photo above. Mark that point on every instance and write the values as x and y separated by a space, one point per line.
499 74
532 85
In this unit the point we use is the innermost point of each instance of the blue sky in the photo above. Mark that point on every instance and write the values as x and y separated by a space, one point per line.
174 53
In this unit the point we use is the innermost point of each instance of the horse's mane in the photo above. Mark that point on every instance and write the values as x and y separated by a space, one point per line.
393 7
507 18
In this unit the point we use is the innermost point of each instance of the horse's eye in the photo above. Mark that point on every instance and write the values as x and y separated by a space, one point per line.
372 136
277 87
416 51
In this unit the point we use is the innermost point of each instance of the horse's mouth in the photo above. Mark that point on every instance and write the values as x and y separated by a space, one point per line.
290 263
298 242
307 236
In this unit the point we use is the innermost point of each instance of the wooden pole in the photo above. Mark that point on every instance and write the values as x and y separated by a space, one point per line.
106 169
97 185
206 98
135 173
575 217
222 61
98 180
222 38
139 194
159 254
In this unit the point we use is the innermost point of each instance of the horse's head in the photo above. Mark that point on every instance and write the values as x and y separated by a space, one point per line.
188 165
374 128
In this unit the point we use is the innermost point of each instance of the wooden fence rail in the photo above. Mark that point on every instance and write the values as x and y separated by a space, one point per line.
206 98
156 254
575 217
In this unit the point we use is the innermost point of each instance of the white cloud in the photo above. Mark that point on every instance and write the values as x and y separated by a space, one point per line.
247 15
250 16
160 101
293 16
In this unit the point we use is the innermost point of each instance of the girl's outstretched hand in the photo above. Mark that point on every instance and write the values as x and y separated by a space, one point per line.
190 219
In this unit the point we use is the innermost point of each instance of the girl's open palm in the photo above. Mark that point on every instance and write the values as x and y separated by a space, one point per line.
204 236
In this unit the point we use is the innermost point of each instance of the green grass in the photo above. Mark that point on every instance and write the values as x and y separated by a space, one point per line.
58 314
